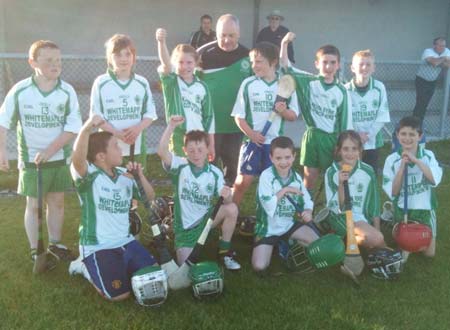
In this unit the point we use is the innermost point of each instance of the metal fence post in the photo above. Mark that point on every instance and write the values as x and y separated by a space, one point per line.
445 104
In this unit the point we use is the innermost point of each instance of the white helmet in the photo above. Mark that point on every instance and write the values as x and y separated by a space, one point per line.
150 286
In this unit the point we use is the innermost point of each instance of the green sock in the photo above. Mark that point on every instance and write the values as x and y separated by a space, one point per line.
224 246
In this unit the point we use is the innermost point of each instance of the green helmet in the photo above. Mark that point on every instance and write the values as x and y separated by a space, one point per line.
327 251
296 259
207 279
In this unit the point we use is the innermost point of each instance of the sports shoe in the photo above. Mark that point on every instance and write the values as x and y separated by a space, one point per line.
229 262
61 252
77 267
50 260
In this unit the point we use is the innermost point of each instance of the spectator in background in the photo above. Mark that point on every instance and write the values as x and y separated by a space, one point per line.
205 34
275 32
433 61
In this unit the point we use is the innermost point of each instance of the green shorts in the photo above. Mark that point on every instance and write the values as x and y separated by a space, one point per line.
317 148
425 217
188 238
55 178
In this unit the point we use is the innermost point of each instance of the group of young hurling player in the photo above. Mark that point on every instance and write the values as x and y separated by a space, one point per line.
343 128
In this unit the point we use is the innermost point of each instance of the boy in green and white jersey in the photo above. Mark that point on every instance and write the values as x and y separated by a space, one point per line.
45 111
424 174
326 109
254 104
276 216
196 183
123 99
109 253
370 109
184 93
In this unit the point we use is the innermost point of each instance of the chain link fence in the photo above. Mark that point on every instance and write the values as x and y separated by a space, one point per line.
398 77
81 71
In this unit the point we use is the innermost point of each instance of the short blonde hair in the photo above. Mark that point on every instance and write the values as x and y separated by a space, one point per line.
365 53
184 49
33 53
116 43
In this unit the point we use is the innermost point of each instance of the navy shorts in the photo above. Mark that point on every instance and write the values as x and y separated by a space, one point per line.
111 269
259 161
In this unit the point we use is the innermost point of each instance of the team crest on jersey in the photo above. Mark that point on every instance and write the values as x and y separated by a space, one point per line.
359 187
60 108
333 103
116 284
137 99
375 103
245 66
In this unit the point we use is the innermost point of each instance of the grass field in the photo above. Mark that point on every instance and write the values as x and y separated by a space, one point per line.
419 299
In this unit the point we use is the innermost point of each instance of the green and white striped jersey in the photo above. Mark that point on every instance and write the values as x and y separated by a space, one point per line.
370 110
421 195
105 203
123 104
276 217
40 117
192 101
324 106
363 188
254 103
194 191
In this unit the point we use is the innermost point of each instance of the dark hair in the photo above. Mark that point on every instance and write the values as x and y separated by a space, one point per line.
349 134
98 142
267 50
328 50
282 142
206 16
435 40
196 136
410 121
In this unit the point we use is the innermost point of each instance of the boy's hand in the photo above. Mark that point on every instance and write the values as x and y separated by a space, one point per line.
41 157
131 133
409 157
94 121
211 153
291 190
307 215
133 167
280 107
161 35
289 37
257 138
343 176
225 192
176 120
364 137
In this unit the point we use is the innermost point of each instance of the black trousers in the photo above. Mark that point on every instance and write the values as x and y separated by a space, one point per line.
227 148
424 93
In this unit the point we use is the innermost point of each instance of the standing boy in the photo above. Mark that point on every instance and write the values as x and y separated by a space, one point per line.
109 253
275 213
370 109
196 183
325 106
45 111
424 174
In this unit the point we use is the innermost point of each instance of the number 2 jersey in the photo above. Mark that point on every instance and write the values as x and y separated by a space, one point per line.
40 117
275 217
123 104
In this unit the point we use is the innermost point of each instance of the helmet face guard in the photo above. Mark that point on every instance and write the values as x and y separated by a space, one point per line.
297 260
385 264
207 279
150 286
